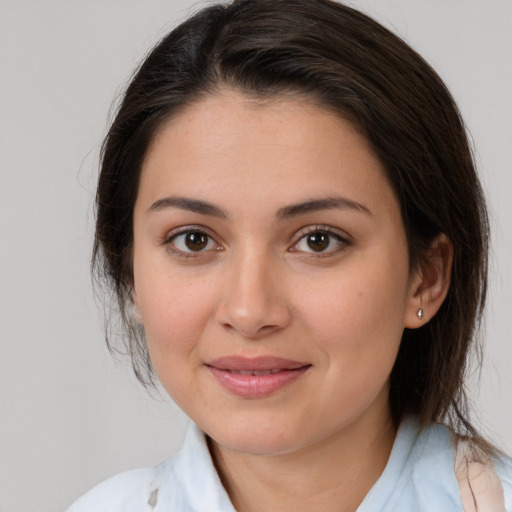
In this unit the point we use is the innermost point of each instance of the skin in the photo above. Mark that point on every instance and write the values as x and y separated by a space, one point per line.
258 288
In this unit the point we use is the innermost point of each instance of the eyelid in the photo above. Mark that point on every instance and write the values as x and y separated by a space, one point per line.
342 236
181 230
186 229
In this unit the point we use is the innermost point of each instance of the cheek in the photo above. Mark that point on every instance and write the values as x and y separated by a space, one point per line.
175 317
357 325
358 316
174 311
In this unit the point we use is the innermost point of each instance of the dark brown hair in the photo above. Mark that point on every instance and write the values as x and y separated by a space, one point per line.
345 61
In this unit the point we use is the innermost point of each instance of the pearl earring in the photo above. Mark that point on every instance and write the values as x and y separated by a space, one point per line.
419 314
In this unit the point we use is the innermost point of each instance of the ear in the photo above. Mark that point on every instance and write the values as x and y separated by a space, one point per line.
134 307
430 283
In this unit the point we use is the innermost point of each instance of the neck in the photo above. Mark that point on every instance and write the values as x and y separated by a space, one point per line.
334 474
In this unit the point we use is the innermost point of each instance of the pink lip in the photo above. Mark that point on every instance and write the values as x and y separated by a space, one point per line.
255 377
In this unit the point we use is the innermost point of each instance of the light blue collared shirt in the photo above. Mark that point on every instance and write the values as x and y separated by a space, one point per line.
419 477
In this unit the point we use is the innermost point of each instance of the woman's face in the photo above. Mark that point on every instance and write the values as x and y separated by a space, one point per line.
271 272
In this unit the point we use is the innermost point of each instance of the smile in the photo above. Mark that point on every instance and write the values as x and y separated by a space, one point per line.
255 377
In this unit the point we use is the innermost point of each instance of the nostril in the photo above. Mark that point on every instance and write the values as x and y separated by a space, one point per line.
268 328
251 331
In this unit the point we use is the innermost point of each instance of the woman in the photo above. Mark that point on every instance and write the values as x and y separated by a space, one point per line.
289 214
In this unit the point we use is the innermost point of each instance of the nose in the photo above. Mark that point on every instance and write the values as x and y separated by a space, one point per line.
253 303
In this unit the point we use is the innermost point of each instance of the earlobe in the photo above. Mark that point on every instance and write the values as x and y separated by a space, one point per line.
134 308
430 283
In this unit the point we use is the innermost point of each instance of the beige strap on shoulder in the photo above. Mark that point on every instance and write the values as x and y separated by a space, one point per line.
480 486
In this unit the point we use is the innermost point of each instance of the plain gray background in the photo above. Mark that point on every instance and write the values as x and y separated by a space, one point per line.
69 415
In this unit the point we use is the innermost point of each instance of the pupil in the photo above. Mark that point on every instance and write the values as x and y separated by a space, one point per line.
318 241
196 240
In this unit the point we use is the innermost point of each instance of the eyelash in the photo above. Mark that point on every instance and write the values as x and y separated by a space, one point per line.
343 241
170 240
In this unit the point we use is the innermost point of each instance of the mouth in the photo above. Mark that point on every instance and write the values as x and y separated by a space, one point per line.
256 372
256 377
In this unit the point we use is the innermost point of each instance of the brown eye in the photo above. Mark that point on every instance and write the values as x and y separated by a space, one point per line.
322 242
318 241
196 241
193 241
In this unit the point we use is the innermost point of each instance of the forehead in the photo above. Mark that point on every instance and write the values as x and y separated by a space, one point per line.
284 148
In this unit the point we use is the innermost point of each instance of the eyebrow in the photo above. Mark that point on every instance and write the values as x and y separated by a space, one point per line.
327 203
294 210
186 203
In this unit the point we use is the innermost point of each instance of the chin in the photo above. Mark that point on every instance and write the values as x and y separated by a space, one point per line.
257 437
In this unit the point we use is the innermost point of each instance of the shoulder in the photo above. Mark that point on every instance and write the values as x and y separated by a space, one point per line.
126 492
186 482
503 466
461 471
138 490
432 469
421 473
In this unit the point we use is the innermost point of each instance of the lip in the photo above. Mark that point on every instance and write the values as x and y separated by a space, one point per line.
256 377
